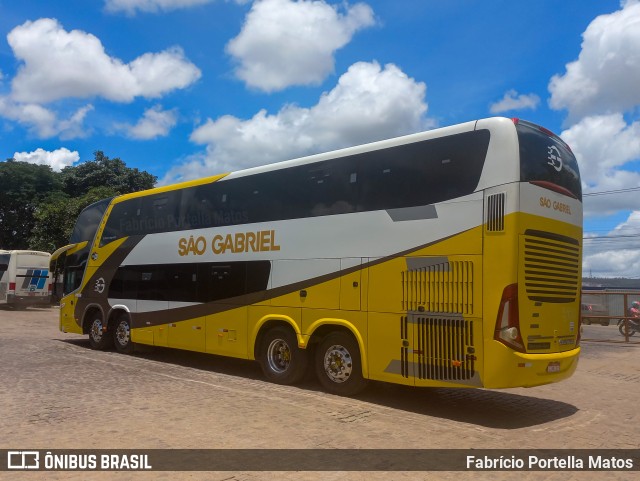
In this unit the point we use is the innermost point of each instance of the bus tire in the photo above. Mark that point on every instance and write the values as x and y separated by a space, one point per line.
99 339
122 335
338 364
281 360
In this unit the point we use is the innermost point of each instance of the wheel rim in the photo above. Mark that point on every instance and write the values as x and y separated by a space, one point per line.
96 330
338 364
122 333
279 356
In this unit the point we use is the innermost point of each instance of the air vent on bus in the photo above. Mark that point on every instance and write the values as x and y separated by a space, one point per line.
404 350
442 287
444 348
551 267
495 212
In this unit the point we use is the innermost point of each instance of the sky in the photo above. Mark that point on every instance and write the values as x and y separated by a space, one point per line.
190 88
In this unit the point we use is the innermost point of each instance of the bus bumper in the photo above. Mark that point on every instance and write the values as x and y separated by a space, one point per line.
26 301
505 368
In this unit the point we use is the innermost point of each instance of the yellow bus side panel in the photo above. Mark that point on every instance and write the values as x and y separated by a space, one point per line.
161 335
385 348
67 320
227 333
351 291
142 336
189 335
385 286
324 295
385 280
465 243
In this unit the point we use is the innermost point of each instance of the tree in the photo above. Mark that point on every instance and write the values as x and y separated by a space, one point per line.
104 172
39 207
23 186
56 217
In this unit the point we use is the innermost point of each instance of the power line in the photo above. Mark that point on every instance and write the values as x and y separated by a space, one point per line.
607 237
608 192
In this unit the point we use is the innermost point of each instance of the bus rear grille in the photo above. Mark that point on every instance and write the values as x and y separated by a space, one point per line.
443 287
551 267
444 349
495 212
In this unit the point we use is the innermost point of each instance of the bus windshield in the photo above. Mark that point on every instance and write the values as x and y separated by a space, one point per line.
545 158
83 232
88 222
4 262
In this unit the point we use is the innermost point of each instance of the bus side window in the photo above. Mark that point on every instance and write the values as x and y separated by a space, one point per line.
182 284
153 283
159 213
331 189
122 221
124 284
221 281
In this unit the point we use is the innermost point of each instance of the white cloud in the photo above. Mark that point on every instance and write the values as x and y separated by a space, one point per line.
616 256
57 64
606 75
369 103
605 145
154 123
513 101
57 159
284 43
131 6
43 122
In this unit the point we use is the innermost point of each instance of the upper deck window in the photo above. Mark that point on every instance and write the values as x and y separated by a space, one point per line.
544 157
402 176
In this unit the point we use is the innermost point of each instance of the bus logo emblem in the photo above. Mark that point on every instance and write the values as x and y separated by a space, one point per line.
555 160
99 285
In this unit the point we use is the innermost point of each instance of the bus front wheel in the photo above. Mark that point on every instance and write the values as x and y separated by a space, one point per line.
338 364
99 339
122 335
281 360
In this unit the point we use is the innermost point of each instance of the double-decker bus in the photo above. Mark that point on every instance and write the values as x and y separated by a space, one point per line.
445 258
24 278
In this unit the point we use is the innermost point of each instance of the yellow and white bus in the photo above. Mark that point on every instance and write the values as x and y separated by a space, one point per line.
445 258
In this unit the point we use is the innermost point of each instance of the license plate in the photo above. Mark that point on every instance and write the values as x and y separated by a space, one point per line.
553 367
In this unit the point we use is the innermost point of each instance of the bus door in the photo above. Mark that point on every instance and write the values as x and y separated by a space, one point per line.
4 276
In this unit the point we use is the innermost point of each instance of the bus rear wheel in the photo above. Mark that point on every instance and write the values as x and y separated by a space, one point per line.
338 364
281 360
99 339
122 335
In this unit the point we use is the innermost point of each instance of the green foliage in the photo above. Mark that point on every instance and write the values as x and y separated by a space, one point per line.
105 172
56 217
23 186
39 207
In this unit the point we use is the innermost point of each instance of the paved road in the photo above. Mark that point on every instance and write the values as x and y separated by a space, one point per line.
57 393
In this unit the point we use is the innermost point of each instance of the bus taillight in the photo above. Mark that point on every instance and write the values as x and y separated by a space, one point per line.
508 321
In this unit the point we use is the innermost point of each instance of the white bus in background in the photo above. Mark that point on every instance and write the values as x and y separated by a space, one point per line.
24 278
